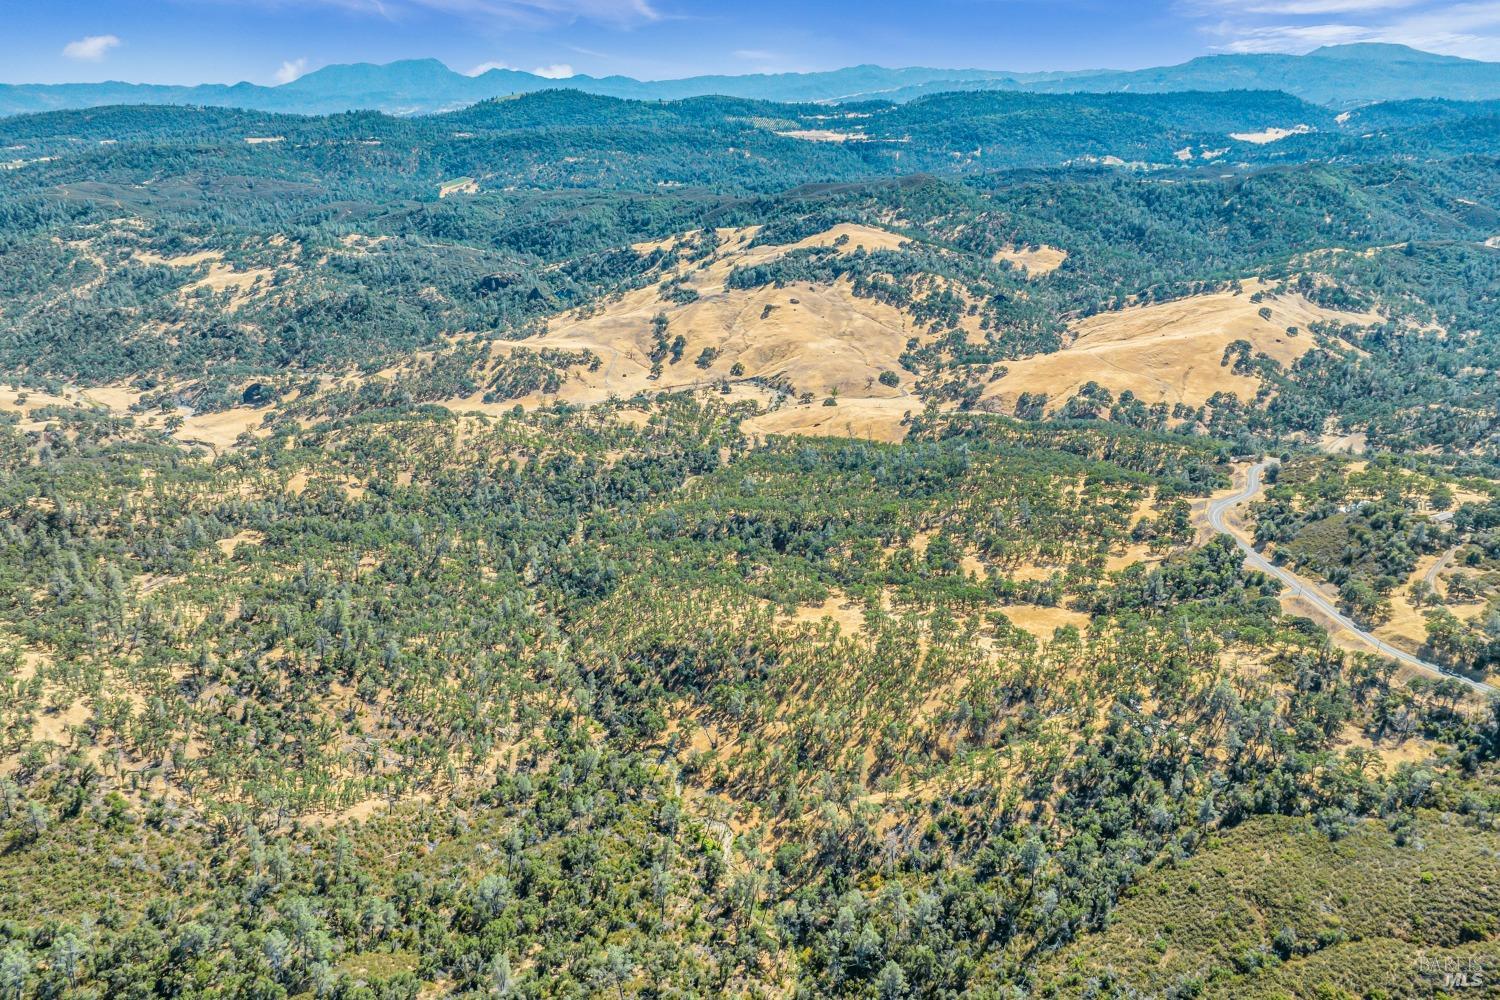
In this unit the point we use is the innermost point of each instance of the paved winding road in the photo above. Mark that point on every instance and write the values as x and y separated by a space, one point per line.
1218 511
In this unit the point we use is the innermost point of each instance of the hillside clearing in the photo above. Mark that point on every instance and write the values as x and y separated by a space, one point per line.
801 338
1270 135
1169 352
1035 261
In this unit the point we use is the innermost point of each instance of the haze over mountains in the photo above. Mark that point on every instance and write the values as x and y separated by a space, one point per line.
1337 76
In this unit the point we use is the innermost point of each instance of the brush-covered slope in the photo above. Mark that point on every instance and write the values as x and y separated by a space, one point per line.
1276 908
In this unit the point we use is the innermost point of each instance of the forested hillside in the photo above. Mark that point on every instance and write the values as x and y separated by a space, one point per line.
572 547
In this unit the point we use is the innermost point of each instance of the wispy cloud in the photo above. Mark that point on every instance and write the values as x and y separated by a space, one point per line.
290 70
91 49
556 71
1469 29
485 67
1289 37
520 12
1303 8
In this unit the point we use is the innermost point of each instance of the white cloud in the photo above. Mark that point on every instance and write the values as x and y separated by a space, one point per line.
1469 29
556 71
1293 38
91 49
1464 29
618 11
290 70
1325 7
522 12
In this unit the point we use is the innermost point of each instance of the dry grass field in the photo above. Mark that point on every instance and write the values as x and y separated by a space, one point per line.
804 337
1169 352
1035 261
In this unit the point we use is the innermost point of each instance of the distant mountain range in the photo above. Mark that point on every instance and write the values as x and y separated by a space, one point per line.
1337 76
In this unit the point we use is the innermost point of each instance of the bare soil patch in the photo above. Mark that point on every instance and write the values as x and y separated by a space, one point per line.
822 135
1270 135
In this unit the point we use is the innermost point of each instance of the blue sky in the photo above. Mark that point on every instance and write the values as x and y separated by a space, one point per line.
266 41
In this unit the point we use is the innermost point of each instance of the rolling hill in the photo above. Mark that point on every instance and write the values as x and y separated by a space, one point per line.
579 546
1338 76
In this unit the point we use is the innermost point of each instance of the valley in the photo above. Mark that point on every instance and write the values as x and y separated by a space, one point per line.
654 544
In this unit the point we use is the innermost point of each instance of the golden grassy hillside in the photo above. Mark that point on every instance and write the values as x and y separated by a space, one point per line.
1169 352
802 338
811 354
